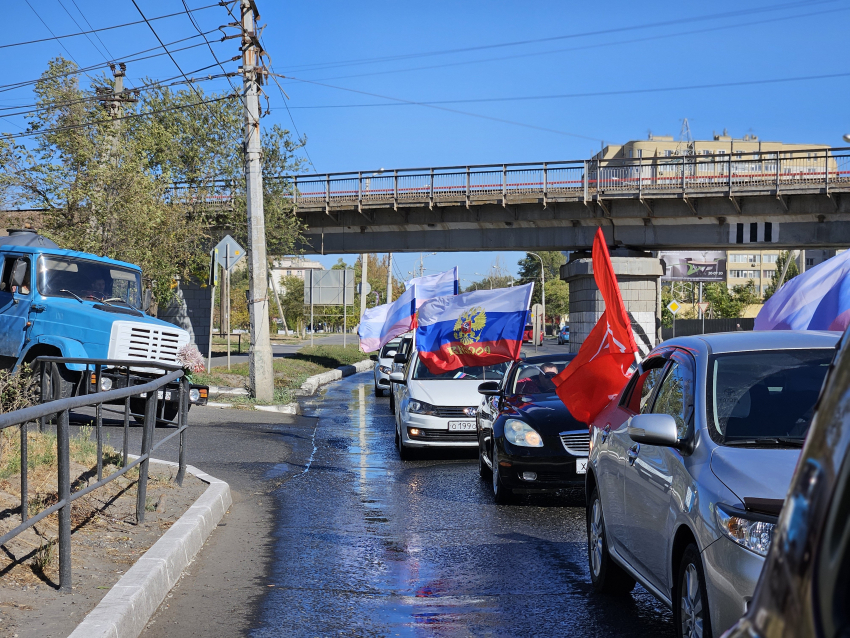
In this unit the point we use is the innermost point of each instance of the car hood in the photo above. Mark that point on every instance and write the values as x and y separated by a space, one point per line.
546 413
446 392
755 473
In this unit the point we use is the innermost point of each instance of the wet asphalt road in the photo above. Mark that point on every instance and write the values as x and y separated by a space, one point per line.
368 545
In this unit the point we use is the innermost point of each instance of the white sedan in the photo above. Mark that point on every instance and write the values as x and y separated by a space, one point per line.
438 410
383 365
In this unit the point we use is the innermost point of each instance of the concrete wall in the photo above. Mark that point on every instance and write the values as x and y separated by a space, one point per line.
190 310
638 280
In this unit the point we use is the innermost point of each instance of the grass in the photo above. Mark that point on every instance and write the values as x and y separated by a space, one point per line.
289 372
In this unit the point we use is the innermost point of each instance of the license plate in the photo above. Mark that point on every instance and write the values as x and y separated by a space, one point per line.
461 426
581 466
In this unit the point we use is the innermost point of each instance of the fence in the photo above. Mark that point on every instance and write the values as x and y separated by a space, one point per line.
688 327
150 392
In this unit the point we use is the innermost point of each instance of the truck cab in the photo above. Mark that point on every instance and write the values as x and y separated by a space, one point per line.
56 302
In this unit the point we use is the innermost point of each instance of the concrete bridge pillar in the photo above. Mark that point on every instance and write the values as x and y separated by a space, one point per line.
639 276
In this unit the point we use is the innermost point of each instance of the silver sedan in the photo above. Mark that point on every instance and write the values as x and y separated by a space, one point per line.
690 464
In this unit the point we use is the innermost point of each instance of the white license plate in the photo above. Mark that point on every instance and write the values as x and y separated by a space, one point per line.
581 466
461 426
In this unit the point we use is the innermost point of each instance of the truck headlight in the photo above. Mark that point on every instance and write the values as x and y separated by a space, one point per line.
753 535
194 395
420 407
522 434
105 384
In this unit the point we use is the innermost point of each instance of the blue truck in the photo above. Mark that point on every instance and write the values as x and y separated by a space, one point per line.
63 303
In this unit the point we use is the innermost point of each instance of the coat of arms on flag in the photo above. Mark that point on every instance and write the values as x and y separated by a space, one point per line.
469 325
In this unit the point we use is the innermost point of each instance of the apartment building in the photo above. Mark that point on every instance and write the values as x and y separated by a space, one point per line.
292 266
759 265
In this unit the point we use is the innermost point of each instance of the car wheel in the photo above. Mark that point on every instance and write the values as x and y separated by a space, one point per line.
606 576
501 494
392 402
485 472
378 391
690 602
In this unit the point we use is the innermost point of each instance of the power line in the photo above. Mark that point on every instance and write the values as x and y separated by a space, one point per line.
126 58
74 20
116 26
595 45
91 27
51 33
667 89
677 21
132 116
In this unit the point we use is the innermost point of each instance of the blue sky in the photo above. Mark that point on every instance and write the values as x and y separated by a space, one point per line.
446 51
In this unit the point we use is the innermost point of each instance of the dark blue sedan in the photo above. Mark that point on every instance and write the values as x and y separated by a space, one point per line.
527 439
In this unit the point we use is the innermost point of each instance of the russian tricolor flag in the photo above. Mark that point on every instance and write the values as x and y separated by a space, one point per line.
371 325
440 285
476 328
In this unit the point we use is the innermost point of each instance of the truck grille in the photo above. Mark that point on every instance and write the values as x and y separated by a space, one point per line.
576 442
135 341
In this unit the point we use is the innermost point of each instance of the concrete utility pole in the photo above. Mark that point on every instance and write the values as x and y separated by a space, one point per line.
389 277
364 263
260 371
542 290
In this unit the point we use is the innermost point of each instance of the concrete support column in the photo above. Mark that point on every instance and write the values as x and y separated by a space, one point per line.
638 274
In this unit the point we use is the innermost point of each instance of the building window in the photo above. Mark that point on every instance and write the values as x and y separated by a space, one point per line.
769 259
810 261
744 259
767 274
744 274
288 273
668 153
631 153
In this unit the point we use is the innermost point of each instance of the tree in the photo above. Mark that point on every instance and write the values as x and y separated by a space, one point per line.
106 186
293 301
727 303
529 270
792 272
557 298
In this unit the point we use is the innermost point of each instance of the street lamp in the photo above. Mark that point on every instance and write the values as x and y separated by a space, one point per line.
543 287
847 138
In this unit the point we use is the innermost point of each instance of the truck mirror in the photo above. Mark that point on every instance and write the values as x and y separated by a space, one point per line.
19 273
146 302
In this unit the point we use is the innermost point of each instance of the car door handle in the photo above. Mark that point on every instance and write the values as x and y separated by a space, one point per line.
605 432
633 453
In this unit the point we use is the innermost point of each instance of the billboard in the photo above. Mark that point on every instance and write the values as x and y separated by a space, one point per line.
694 265
325 287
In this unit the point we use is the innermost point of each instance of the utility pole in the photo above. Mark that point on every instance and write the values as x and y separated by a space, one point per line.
389 277
261 374
113 102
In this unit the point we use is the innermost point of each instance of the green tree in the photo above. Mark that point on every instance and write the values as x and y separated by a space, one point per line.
293 301
727 303
529 270
792 272
557 298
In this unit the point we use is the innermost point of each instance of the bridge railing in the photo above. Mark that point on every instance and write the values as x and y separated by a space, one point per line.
730 173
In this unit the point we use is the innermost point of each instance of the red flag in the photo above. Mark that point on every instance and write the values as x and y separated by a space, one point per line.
600 368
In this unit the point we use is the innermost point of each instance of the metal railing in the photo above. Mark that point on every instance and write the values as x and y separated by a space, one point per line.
59 408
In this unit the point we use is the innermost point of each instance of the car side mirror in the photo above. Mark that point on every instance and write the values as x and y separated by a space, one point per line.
400 358
19 273
383 382
392 353
654 429
398 377
489 389
373 357
146 300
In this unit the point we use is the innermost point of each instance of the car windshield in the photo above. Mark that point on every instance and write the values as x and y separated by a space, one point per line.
392 345
468 373
765 395
92 280
536 378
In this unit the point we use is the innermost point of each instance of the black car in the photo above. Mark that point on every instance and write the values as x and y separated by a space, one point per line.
804 587
527 439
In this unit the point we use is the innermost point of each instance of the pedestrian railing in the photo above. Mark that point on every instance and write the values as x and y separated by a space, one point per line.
90 395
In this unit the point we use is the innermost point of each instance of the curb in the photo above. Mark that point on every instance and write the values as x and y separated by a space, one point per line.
128 606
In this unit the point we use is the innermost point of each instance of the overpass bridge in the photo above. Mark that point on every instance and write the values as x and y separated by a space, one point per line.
787 200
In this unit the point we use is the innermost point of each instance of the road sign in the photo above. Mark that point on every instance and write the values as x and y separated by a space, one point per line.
674 306
703 306
325 287
536 322
228 252
364 286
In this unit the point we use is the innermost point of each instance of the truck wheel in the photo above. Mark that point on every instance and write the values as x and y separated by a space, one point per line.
60 383
169 412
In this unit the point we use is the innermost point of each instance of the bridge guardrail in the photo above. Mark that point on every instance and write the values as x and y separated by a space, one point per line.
61 407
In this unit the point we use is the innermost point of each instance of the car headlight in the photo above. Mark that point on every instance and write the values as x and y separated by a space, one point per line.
753 535
420 407
384 369
522 434
194 395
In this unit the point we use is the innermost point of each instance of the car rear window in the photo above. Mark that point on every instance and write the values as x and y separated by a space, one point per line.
536 378
765 394
392 345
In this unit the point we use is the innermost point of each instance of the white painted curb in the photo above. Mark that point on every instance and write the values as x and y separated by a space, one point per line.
312 384
129 605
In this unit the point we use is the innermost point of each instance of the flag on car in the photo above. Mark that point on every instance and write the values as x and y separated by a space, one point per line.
370 327
601 367
819 299
400 316
442 284
476 328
